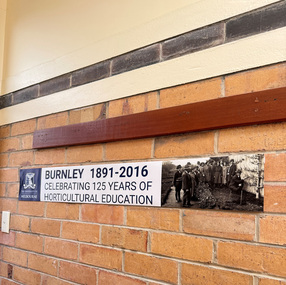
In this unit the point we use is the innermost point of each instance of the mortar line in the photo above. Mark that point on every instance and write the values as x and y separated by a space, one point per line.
222 85
214 256
257 229
179 273
216 138
158 99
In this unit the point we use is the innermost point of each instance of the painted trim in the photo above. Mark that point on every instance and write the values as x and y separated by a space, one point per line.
256 51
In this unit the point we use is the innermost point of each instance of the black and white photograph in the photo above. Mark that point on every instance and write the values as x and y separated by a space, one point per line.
233 182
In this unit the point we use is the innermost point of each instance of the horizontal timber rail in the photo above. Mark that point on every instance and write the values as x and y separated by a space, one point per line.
241 110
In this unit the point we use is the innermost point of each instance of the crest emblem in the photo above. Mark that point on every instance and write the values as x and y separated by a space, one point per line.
29 181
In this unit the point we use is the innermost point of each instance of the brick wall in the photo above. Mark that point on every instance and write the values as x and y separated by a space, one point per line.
58 243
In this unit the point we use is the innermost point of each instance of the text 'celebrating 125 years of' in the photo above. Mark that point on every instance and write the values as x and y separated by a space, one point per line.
128 184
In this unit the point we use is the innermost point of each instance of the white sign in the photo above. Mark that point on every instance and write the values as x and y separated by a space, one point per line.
120 184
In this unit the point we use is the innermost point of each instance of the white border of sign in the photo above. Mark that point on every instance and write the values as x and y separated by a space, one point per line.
118 184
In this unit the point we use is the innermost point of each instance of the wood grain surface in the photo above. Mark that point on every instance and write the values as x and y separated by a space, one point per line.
253 108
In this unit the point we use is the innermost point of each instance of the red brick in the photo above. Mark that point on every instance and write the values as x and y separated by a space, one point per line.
270 260
43 263
62 211
49 280
275 167
24 127
275 199
46 227
87 153
77 273
182 246
50 156
23 158
2 190
9 205
26 142
4 131
52 121
61 248
8 282
253 138
152 267
108 278
3 160
266 281
20 223
190 93
9 175
29 242
161 219
272 229
80 231
185 145
3 269
101 256
102 214
9 144
132 105
124 238
7 238
14 256
255 80
88 114
131 149
31 208
12 190
154 283
200 275
26 276
218 224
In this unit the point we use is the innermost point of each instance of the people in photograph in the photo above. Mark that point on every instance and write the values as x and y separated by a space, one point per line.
195 172
224 173
195 175
231 171
207 173
177 182
202 177
212 171
217 174
236 182
188 185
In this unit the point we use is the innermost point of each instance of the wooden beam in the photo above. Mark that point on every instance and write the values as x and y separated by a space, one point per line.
253 108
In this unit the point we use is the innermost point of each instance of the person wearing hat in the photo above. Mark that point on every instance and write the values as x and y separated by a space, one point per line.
236 182
217 174
207 173
188 186
177 182
231 171
202 176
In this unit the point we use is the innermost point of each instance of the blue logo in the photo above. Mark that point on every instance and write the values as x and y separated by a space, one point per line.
30 184
29 181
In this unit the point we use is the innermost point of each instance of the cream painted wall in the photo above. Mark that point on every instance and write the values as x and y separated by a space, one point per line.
40 32
46 38
3 4
247 53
